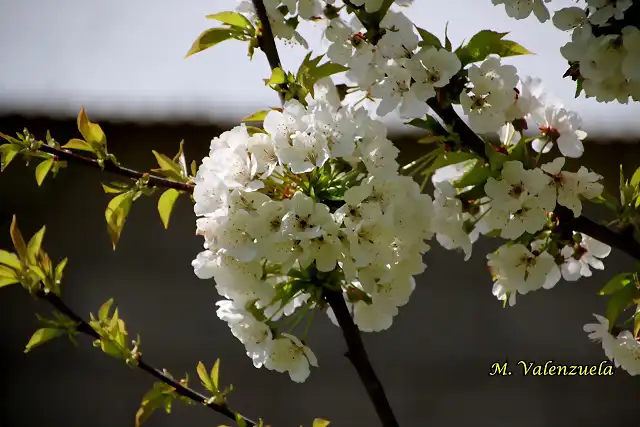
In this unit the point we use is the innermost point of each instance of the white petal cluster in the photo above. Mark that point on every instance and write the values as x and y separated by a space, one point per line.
607 62
314 201
581 257
521 9
623 349
282 14
393 71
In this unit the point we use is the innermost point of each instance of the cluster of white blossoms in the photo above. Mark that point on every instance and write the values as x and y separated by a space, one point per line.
604 51
313 203
497 98
623 349
395 70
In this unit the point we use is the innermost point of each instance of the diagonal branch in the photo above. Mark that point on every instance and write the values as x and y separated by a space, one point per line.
181 389
109 166
360 360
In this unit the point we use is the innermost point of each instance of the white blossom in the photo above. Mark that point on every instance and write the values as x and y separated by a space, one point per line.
581 257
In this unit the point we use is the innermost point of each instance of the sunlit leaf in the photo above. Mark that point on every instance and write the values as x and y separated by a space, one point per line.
115 188
116 215
41 336
204 377
6 281
159 396
59 271
319 422
326 70
278 76
33 247
78 144
103 311
635 179
165 205
232 18
487 42
210 38
258 116
43 169
91 132
18 241
9 259
8 152
168 167
619 302
215 372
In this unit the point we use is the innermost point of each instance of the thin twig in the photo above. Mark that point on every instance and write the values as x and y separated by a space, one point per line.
85 328
109 166
360 360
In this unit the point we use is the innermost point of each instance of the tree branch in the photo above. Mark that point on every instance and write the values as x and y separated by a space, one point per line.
180 389
267 42
360 360
109 166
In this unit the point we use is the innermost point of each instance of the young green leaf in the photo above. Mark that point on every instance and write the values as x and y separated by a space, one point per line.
215 372
210 38
59 271
6 281
476 175
41 336
487 42
91 132
428 39
616 283
325 70
115 188
429 124
8 152
165 205
278 77
319 422
18 240
116 215
7 272
635 179
168 167
619 302
42 170
258 116
103 311
9 259
233 19
447 42
161 395
33 247
252 130
204 377
78 144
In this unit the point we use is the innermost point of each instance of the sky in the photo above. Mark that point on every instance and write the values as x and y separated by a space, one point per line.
124 59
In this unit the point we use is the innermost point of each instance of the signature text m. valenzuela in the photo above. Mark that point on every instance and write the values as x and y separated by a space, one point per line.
550 368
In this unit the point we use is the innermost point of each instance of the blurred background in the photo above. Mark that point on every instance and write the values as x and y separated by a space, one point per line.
123 61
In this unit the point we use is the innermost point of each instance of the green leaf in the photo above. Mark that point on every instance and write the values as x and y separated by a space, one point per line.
319 422
447 42
6 281
42 170
59 271
41 336
115 188
635 179
616 283
9 259
428 39
204 377
168 167
232 18
258 116
165 205
116 214
446 159
10 139
78 144
487 42
210 38
91 132
159 396
636 324
327 69
7 272
8 152
240 421
215 372
252 130
33 247
429 124
619 302
477 175
194 168
579 86
18 240
278 77
103 311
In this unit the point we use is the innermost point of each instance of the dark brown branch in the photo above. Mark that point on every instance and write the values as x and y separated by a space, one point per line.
267 42
360 360
180 389
109 166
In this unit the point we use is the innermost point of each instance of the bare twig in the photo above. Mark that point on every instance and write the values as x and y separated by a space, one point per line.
109 166
85 328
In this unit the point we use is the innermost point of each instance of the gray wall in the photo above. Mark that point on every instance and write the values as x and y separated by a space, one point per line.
434 362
